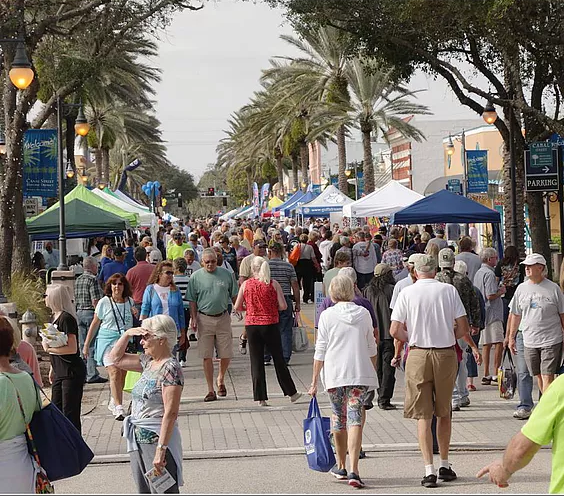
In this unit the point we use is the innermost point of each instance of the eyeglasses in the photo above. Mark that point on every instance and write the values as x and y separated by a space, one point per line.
45 295
117 283
177 237
210 262
169 272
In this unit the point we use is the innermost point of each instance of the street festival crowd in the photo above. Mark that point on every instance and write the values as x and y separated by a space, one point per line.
417 299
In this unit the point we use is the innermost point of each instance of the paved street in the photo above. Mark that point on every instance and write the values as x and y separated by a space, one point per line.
233 429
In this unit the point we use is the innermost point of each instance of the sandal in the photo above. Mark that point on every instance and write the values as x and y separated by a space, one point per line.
211 396
471 387
221 390
242 345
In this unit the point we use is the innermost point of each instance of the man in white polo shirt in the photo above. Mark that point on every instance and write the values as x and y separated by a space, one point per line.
430 316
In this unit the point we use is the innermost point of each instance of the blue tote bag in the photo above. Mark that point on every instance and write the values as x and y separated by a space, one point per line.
317 445
62 451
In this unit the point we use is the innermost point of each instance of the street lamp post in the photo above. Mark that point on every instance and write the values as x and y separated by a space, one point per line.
348 173
81 127
21 75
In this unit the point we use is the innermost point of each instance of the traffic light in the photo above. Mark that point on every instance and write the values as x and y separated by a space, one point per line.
211 191
224 201
179 200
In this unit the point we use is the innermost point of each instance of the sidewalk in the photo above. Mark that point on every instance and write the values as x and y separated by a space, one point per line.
236 426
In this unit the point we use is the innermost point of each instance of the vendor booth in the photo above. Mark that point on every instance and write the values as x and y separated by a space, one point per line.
330 200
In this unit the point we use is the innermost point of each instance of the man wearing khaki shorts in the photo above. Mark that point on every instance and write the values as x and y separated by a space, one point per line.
537 308
210 291
430 316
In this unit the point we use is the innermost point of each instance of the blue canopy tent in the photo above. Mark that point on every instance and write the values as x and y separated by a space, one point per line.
305 198
445 206
296 196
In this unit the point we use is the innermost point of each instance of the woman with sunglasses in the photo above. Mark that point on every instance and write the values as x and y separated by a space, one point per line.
112 317
229 254
162 297
151 431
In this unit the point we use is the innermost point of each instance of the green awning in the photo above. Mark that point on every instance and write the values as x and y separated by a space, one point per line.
85 195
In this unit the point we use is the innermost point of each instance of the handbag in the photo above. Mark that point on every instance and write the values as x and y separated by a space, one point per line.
58 442
300 341
42 483
507 377
317 444
294 256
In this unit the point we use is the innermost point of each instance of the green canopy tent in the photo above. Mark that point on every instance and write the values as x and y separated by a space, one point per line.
81 220
85 195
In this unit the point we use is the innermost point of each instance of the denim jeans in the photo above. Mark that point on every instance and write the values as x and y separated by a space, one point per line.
460 389
471 365
85 318
285 325
524 378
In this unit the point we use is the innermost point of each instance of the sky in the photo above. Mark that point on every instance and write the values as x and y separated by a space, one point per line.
211 62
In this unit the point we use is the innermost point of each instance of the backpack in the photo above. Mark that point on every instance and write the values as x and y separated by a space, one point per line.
294 256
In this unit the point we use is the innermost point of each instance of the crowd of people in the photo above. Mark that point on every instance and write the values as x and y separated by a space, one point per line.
405 298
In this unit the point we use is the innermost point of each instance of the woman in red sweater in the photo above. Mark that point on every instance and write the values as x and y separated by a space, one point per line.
262 298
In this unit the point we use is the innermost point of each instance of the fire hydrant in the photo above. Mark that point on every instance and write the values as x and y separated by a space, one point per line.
29 327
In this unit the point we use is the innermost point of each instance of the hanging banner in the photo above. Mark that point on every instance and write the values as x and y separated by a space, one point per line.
255 200
40 163
264 196
477 162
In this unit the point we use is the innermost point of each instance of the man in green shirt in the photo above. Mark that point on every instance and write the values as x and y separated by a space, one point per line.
210 291
545 425
177 247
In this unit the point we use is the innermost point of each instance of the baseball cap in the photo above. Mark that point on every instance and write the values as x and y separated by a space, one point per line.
534 258
407 255
381 269
425 263
440 231
413 258
259 242
119 251
446 258
155 256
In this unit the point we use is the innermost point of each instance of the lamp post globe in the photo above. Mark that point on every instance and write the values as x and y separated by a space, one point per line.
489 114
81 126
21 73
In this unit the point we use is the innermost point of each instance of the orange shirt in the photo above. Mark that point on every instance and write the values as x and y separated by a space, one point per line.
248 234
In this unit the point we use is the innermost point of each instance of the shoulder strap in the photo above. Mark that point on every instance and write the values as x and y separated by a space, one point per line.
115 316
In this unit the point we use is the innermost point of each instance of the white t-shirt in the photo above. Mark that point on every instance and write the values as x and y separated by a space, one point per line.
399 286
163 293
428 309
473 262
540 306
193 267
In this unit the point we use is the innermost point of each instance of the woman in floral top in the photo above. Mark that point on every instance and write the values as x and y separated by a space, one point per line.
393 256
151 431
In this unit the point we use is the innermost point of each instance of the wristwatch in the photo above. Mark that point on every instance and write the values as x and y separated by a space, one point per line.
162 447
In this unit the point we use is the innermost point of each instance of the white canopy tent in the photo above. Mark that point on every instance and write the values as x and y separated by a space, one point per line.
329 200
122 196
383 202
145 218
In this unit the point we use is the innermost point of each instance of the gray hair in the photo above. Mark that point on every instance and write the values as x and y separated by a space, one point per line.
348 272
344 240
234 239
162 327
210 252
487 253
90 263
341 288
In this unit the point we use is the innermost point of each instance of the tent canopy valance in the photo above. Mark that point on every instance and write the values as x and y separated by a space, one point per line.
445 206
383 202
330 200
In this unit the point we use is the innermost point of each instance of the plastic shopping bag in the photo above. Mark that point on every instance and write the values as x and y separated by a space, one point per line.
507 377
131 379
300 341
317 444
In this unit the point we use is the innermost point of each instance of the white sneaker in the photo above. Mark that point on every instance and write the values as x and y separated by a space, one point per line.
521 414
119 412
111 406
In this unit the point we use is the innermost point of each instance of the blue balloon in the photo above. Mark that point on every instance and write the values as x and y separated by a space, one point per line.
144 189
156 185
150 185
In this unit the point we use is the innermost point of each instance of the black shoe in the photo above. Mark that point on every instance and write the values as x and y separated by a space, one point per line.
98 380
387 406
429 481
447 474
192 337
361 455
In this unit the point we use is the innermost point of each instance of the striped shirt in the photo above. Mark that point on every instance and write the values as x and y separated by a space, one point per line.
181 282
284 273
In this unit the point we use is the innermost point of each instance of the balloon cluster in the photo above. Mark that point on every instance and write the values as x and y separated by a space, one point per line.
151 188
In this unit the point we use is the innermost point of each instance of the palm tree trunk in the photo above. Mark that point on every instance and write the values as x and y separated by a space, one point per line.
280 172
368 163
304 160
106 165
295 180
342 153
98 163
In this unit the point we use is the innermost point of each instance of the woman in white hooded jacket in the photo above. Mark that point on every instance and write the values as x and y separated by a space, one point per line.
346 351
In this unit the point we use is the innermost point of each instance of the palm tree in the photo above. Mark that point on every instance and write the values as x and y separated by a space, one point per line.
377 105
